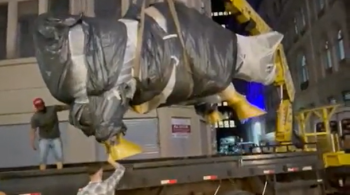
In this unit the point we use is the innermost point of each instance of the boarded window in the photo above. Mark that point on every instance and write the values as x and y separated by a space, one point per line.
59 6
3 29
333 125
108 8
346 126
27 14
346 134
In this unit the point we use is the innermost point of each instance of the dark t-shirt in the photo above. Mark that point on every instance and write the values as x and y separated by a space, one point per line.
47 122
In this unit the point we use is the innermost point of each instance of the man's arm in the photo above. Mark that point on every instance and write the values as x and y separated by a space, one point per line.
83 192
116 176
32 134
60 108
107 185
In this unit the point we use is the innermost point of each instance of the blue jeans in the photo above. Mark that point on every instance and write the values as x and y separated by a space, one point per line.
47 145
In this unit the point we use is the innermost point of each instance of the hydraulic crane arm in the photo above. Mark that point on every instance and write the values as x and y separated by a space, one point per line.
247 16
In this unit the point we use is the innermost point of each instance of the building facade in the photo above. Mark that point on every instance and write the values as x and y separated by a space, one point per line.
317 48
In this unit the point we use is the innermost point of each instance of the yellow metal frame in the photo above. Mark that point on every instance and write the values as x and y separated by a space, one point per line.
244 13
327 142
324 114
336 159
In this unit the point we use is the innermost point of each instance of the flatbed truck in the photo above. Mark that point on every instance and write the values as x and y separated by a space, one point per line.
295 173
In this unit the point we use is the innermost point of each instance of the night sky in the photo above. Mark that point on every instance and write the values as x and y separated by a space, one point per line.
255 3
217 4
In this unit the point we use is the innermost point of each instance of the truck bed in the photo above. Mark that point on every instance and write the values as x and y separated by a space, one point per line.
157 172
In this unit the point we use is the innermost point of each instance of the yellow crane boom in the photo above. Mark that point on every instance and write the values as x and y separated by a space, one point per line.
245 14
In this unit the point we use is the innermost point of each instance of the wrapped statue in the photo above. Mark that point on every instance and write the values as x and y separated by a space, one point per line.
145 60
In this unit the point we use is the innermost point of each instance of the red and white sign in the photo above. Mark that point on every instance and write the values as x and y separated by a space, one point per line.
180 127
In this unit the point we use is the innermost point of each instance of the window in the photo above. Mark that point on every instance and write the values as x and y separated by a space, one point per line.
285 40
304 69
299 21
3 30
346 126
225 124
275 9
331 100
59 6
27 14
320 5
107 8
302 18
340 46
327 55
333 126
296 30
346 95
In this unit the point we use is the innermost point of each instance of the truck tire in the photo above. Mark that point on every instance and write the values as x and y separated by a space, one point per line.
238 192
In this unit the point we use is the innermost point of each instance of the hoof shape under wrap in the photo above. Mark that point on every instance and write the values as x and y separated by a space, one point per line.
123 149
213 117
239 103
141 109
245 110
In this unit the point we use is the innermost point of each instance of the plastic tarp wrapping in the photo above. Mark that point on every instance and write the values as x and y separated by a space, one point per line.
104 57
87 63
53 56
80 60
210 48
255 57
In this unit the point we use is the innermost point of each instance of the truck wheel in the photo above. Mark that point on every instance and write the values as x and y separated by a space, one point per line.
238 192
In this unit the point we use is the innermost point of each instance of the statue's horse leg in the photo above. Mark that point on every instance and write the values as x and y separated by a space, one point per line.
119 148
142 108
159 99
209 109
213 117
150 105
239 103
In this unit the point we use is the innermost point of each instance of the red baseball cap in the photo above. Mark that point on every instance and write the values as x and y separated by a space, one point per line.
37 102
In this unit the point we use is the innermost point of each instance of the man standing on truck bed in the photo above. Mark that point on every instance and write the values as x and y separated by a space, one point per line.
106 187
45 119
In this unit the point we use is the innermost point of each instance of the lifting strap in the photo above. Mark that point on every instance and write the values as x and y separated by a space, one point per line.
139 41
174 15
178 29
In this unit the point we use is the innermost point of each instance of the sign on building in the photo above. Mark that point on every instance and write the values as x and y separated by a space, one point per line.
180 127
